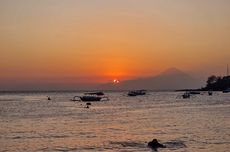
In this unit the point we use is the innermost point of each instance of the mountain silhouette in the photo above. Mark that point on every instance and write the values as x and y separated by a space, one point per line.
170 79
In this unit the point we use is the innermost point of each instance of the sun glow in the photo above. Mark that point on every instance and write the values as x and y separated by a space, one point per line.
115 81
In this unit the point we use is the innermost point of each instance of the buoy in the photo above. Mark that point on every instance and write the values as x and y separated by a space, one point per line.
48 98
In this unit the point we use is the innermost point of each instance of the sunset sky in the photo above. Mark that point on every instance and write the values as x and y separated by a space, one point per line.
95 41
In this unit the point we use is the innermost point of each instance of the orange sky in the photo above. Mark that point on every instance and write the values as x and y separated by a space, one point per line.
96 41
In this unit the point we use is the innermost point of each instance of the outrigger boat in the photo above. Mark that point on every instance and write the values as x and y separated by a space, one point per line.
194 92
136 92
95 93
226 90
89 98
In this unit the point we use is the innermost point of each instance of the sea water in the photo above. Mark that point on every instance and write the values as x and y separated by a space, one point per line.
30 122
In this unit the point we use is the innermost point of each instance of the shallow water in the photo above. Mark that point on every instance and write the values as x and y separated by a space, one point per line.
30 122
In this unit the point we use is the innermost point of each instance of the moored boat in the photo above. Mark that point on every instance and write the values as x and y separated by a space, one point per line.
226 90
89 98
95 93
194 92
136 92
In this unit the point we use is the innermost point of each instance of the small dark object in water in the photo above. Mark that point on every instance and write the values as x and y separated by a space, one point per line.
209 93
88 103
155 144
48 98
186 95
87 106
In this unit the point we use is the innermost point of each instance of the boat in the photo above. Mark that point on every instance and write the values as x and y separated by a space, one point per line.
186 95
89 98
194 92
226 90
136 92
95 93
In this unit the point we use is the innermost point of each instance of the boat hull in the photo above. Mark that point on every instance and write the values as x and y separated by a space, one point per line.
89 98
136 92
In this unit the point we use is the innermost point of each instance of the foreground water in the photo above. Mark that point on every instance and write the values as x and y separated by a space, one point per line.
30 122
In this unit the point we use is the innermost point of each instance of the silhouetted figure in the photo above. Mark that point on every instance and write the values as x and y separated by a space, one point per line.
154 144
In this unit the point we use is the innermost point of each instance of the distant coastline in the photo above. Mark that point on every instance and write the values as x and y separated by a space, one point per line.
213 83
217 83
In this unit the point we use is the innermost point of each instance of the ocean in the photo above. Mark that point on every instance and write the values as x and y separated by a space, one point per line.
31 123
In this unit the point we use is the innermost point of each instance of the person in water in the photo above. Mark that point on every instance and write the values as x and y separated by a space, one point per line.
154 144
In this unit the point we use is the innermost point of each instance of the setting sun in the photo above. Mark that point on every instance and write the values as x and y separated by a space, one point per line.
115 81
115 75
